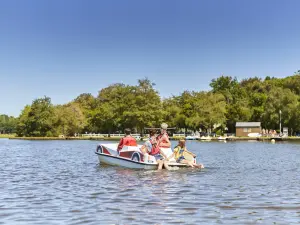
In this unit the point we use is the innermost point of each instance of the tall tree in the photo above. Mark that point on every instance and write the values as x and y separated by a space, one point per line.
7 124
283 100
37 120
69 119
145 106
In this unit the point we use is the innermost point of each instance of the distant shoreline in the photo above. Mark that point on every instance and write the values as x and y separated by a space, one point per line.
171 138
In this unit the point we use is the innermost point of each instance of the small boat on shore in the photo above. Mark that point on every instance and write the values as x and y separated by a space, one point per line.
205 138
192 137
132 157
221 138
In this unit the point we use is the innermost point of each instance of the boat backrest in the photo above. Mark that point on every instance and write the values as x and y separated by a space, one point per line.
131 148
111 146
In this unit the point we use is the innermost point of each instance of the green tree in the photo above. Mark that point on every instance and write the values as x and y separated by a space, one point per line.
208 110
225 85
237 101
144 106
284 100
292 83
172 112
111 104
7 124
37 120
23 128
69 119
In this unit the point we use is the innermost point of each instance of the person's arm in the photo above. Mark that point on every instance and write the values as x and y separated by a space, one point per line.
170 157
190 153
173 154
120 146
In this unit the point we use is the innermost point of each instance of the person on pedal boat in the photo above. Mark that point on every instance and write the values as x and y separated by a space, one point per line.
128 140
163 138
151 148
179 151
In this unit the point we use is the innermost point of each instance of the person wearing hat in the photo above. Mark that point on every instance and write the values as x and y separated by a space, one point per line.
163 139
128 140
151 148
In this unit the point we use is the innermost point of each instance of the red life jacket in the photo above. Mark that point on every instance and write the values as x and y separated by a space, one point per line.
160 136
155 148
127 141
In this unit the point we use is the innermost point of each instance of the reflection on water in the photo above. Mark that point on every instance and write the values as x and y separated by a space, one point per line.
61 182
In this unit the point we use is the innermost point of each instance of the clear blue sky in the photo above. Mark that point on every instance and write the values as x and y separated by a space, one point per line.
62 48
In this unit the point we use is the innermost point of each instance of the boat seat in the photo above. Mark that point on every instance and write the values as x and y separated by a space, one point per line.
131 148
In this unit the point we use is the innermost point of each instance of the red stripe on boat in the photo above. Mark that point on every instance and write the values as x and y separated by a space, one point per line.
105 151
126 154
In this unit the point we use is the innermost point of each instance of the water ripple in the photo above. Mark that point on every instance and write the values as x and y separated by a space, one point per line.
61 182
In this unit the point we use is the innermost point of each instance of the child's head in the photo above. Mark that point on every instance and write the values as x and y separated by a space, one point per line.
127 131
152 132
181 143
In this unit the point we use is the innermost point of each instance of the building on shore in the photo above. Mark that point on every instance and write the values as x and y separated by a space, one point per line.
242 129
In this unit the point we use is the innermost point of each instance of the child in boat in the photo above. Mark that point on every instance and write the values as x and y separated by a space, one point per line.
151 148
179 155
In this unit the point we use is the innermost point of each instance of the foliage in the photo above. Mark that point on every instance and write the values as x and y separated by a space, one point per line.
7 124
138 106
120 106
69 119
37 120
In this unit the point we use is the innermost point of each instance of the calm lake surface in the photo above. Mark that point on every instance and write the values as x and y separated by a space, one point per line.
61 182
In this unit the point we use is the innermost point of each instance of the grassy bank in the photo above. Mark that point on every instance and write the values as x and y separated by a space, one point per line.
7 135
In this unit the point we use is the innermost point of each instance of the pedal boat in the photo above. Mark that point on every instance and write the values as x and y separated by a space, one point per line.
132 157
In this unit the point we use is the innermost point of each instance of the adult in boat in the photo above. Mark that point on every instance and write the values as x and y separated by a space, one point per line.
151 148
163 139
179 151
128 140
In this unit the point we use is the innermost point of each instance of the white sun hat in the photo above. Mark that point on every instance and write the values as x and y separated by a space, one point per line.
164 126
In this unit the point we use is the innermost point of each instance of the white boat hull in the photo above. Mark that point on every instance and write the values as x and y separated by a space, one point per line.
205 139
192 138
122 162
127 163
222 138
107 154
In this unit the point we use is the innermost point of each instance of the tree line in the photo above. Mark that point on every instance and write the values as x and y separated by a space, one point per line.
138 106
7 124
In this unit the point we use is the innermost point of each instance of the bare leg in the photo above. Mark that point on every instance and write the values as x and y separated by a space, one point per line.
160 164
166 164
184 161
191 164
146 155
200 166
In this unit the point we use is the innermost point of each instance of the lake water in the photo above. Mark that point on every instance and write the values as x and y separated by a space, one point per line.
61 182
